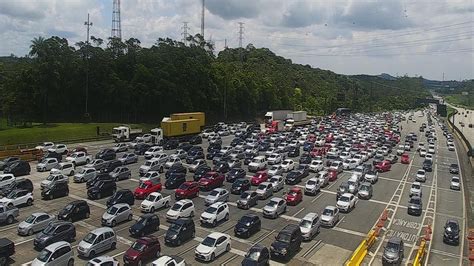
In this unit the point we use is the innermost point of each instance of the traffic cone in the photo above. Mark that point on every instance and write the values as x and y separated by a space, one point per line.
384 215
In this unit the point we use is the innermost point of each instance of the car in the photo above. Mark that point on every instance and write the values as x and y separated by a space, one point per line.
247 199
179 231
259 177
152 151
216 195
240 185
323 177
383 166
101 188
353 183
116 214
55 231
288 165
330 216
415 189
257 255
143 250
415 206
211 180
187 190
55 190
392 158
454 169
153 164
52 179
155 201
6 180
146 187
128 158
221 167
213 246
47 164
214 214
287 242
365 190
74 211
121 196
97 241
140 148
258 163
316 166
59 253
181 209
420 175
455 183
247 225
276 169
36 222
294 196
18 168
65 168
120 147
106 154
97 178
451 232
294 177
428 165
97 164
7 161
265 190
274 208
346 202
310 226
278 182
145 225
85 174
393 252
45 146
372 176
332 175
234 174
121 173
312 186
18 197
103 261
175 180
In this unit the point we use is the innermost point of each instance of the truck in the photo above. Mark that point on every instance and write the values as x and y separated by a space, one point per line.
7 249
298 118
274 126
155 201
276 115
179 126
8 214
125 133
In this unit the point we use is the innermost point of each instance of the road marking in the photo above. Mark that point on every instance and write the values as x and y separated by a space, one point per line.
461 250
444 253
298 212
229 260
313 247
25 241
261 238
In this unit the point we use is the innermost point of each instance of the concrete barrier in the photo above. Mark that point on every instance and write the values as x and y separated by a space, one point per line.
420 254
359 253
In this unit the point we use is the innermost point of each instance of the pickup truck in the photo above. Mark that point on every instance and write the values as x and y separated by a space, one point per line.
146 187
169 261
7 249
79 158
155 201
8 214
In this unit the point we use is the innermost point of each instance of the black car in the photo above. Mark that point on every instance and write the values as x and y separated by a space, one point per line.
201 172
221 167
110 166
193 155
147 224
106 154
23 183
55 232
7 161
240 185
293 177
451 232
171 144
214 147
176 170
234 174
428 166
287 242
141 148
185 146
305 159
51 154
415 206
248 225
308 146
294 152
197 139
175 180
257 255
121 196
180 231
56 190
102 188
211 154
75 211
101 176
454 169
264 146
18 168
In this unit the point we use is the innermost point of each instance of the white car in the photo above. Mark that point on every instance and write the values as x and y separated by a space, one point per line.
79 158
46 164
345 155
181 209
120 147
274 170
312 186
288 165
420 175
310 225
17 198
346 202
422 152
145 137
258 163
455 183
429 156
53 178
168 261
6 179
316 166
226 149
420 145
151 152
372 176
274 158
451 147
59 148
216 195
155 201
415 189
45 146
400 149
431 149
171 161
215 213
323 177
278 182
212 246
330 216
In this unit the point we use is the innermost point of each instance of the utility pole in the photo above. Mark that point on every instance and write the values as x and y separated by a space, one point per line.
88 24
185 33
241 33
202 18
116 24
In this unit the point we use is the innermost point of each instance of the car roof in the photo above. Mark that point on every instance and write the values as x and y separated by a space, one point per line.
56 245
310 216
347 195
330 207
395 240
120 205
216 235
218 204
276 199
184 201
101 230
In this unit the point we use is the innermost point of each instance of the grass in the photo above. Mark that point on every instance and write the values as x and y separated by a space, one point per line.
38 133
466 101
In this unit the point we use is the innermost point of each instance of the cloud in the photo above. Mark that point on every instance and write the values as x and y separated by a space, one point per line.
23 9
234 9
303 14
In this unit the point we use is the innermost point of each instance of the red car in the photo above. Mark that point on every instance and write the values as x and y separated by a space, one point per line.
187 190
332 174
295 196
143 251
211 180
383 166
405 158
317 152
258 178
145 188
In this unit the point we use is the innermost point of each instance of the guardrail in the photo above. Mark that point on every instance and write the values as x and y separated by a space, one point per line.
359 253
15 147
420 254
470 152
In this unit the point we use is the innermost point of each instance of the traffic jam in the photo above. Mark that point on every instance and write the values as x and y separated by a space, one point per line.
290 191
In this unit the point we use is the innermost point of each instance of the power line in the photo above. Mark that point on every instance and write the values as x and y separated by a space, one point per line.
438 52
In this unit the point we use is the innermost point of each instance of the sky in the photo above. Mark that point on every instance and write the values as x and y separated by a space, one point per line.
398 37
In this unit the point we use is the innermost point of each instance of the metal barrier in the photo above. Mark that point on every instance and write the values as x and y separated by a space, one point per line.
359 253
420 254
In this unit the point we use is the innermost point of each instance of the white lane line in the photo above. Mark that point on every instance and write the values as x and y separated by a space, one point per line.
8 228
24 241
261 238
229 260
298 212
313 247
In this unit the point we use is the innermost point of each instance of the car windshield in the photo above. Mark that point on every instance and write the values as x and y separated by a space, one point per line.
175 227
245 195
305 223
421 172
211 210
30 219
245 220
48 230
416 186
90 238
292 193
283 237
344 199
455 179
272 203
416 201
112 210
184 186
176 207
143 185
147 163
253 254
364 188
312 182
328 212
262 186
138 246
452 227
209 241
391 247
44 255
51 177
351 182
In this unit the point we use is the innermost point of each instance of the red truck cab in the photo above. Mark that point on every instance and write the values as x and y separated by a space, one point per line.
211 180
295 196
332 174
383 166
258 178
147 187
187 190
405 159
144 250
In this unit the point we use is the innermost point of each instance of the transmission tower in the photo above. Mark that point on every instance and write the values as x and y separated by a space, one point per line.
88 24
116 27
202 18
185 33
241 33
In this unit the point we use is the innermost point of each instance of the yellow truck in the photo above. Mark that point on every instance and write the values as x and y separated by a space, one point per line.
181 126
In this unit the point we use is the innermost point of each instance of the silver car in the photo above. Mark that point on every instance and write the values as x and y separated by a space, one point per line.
116 214
310 225
217 194
274 207
97 241
181 154
36 222
121 173
53 178
265 190
172 161
330 216
196 164
97 164
56 254
47 164
275 170
278 182
128 158
85 174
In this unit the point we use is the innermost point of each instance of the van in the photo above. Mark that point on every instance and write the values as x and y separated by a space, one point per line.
66 168
97 241
258 163
59 253
287 242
